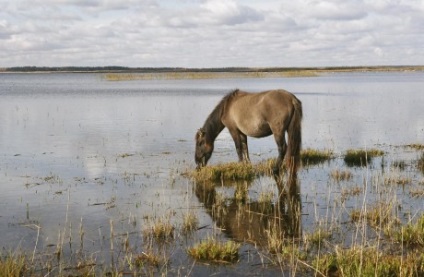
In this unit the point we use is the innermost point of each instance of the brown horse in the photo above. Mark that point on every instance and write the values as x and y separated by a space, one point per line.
256 115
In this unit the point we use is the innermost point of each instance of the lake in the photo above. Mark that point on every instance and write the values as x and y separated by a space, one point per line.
87 164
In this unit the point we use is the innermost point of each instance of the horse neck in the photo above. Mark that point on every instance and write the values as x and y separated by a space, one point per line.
213 125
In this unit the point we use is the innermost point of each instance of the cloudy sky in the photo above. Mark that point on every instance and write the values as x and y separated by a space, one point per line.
211 33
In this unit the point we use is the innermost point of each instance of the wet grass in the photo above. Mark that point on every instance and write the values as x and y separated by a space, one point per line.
362 261
231 171
211 250
311 156
246 171
360 157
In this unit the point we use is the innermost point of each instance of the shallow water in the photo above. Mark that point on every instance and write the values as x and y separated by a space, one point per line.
80 152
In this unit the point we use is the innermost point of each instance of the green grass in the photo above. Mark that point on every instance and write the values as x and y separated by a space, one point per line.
360 157
231 171
214 251
412 233
368 262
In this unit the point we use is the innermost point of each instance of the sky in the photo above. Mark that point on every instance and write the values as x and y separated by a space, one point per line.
211 33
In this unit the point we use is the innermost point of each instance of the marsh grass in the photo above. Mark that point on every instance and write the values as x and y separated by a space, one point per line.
14 265
207 75
360 157
416 146
311 156
376 215
341 175
148 258
397 180
211 250
190 223
231 171
411 233
161 230
420 163
362 261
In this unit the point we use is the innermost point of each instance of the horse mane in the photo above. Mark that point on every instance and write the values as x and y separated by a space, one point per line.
213 125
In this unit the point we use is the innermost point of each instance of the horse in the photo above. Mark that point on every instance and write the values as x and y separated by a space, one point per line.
272 112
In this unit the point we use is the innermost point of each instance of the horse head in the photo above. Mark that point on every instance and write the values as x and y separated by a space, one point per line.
204 148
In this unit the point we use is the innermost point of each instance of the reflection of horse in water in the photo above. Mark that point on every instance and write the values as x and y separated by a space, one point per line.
253 221
257 115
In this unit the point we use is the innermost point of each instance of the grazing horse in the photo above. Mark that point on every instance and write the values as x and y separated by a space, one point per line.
256 115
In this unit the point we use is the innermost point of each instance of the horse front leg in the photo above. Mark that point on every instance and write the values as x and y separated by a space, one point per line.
244 148
235 134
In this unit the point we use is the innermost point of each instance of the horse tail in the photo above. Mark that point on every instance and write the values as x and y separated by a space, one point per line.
294 138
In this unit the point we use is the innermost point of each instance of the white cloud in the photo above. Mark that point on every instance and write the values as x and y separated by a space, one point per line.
211 33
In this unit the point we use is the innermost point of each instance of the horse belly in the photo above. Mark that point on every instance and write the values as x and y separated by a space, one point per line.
256 129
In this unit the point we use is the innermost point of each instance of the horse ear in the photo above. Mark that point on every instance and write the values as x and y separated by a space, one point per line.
200 133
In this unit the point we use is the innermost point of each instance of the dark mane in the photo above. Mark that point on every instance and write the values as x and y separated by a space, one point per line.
213 125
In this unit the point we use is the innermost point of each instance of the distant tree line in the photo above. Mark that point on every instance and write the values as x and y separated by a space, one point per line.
182 69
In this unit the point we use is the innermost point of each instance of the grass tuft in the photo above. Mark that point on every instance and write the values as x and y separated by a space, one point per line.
411 234
341 175
211 250
360 157
161 230
312 156
13 265
190 223
360 261
231 171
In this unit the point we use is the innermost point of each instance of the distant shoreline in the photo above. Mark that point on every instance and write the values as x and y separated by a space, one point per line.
180 70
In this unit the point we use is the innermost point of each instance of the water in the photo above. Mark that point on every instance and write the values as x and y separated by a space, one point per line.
78 151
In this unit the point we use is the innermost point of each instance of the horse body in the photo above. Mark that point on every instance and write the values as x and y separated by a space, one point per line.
257 115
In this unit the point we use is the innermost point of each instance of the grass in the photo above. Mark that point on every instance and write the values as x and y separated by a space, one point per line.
190 222
207 75
231 171
360 157
420 163
162 230
341 175
236 171
311 156
360 261
377 215
212 250
412 233
13 265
